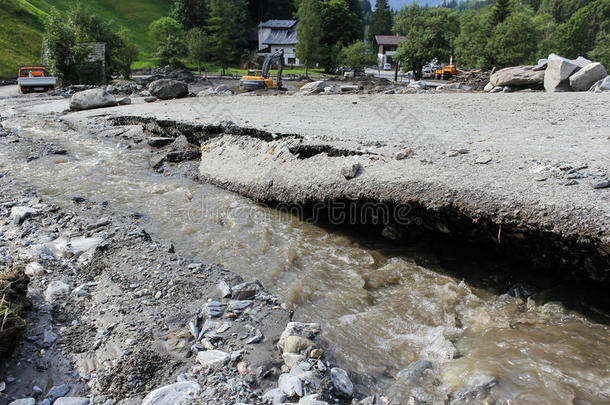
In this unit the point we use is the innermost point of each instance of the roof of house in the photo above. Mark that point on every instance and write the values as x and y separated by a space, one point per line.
278 24
282 37
389 39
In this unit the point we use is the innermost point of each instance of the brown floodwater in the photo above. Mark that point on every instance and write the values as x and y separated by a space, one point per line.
381 306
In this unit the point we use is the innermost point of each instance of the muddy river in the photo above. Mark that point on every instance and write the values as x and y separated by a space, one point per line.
381 307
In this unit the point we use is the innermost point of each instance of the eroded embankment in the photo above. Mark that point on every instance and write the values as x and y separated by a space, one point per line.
339 186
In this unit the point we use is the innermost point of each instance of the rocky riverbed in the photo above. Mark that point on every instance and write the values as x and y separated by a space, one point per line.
121 318
436 338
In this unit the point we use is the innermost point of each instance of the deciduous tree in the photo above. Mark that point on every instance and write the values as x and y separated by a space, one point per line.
309 33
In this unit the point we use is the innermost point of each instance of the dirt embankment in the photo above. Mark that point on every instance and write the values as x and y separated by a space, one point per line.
523 174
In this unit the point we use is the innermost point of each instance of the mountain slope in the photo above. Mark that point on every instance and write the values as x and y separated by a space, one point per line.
22 26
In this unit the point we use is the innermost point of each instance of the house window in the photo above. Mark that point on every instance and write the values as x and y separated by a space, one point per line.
292 61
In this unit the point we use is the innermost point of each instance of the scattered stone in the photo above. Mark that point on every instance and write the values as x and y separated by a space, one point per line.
599 184
72 401
215 309
213 358
173 394
49 338
587 76
150 99
166 89
476 388
224 289
20 214
488 87
347 88
404 154
239 306
58 391
349 172
90 99
275 396
24 401
296 344
415 372
55 290
290 385
542 63
258 337
314 87
341 382
482 160
34 269
124 101
290 359
246 290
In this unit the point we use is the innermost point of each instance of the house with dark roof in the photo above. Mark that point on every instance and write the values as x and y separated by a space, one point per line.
388 44
274 35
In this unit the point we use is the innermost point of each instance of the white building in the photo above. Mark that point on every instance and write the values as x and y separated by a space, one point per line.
274 35
388 44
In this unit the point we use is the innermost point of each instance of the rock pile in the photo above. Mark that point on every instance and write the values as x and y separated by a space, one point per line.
555 74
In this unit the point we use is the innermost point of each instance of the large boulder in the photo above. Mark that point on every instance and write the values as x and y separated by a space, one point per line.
587 76
601 85
166 89
581 62
517 76
180 392
557 74
90 99
314 87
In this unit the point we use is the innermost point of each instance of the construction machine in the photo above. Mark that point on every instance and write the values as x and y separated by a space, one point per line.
446 72
260 79
35 79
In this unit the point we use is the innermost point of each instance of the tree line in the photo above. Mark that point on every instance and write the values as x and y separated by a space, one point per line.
341 33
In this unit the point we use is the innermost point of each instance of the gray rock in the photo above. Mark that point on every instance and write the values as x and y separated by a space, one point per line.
314 87
274 396
23 401
476 388
49 338
215 309
34 269
258 337
55 290
557 74
517 76
213 358
349 87
78 246
166 89
605 84
72 401
223 88
246 290
482 160
415 372
178 151
20 214
209 328
599 184
453 87
291 385
305 330
497 89
542 63
417 85
173 394
124 101
90 99
46 401
341 382
312 399
580 61
587 76
58 391
150 99
351 171
224 289
488 87
238 306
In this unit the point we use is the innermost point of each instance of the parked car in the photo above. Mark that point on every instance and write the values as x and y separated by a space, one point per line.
387 66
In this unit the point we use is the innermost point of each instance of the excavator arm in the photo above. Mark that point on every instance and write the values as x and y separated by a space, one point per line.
271 60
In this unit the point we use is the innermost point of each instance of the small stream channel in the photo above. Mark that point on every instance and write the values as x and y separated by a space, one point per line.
381 306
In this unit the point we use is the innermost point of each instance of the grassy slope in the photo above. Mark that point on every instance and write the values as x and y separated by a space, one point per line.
22 26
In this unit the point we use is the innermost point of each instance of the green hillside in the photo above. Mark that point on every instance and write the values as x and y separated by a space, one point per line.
22 26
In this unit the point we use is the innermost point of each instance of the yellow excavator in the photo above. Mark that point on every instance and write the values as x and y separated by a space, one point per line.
260 79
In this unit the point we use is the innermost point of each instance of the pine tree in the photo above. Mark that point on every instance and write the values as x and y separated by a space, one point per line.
381 20
501 10
190 13
309 33
226 26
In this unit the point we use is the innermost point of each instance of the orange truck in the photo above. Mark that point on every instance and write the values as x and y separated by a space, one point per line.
446 72
35 79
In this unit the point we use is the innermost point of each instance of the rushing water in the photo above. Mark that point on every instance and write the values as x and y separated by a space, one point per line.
380 310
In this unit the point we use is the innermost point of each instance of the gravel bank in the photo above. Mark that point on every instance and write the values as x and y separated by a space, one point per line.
119 318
